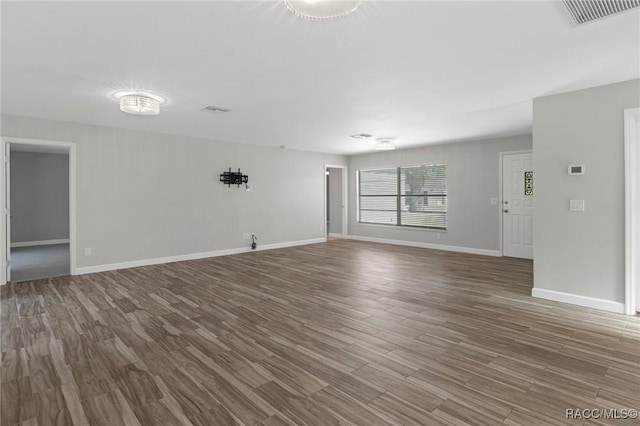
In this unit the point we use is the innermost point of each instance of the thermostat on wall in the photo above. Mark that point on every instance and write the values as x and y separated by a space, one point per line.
576 170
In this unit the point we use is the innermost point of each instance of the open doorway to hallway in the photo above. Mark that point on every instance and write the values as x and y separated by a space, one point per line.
38 224
335 202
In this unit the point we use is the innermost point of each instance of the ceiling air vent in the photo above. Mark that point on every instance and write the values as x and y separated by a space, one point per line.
217 110
361 136
583 11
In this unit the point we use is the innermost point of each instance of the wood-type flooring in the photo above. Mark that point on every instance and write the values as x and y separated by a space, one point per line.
335 333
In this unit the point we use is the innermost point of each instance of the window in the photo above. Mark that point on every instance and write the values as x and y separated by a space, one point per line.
404 196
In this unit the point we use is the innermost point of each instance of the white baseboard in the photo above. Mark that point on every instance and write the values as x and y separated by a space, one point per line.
40 243
191 256
470 250
335 235
291 244
576 299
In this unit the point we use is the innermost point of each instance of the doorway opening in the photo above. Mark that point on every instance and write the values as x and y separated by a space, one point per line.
38 199
335 201
516 208
632 209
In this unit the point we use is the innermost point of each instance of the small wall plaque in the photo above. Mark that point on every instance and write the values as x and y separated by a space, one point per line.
528 183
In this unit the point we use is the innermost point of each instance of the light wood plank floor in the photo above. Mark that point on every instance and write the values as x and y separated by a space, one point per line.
343 333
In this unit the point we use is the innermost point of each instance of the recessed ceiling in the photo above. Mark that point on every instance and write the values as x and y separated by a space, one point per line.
426 72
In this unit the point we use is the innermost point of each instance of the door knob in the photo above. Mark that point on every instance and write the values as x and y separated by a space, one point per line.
505 210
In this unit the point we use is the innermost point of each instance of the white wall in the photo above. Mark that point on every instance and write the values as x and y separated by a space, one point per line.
335 201
581 254
39 196
472 180
145 196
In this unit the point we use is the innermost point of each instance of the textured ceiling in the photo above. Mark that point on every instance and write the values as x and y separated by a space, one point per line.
423 72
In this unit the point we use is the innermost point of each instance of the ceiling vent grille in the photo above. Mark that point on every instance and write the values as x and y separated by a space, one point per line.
361 136
584 11
215 109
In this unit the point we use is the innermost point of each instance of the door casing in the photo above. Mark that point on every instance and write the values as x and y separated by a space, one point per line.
345 215
6 215
632 209
44 146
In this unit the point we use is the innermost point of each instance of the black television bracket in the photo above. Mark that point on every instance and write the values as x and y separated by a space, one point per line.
234 178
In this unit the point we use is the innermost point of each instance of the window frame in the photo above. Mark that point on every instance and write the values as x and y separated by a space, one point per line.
399 196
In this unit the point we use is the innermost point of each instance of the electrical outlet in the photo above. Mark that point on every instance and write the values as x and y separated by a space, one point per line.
494 201
576 205
246 236
87 251
438 236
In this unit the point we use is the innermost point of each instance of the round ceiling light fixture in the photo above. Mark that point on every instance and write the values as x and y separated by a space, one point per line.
139 102
322 9
385 144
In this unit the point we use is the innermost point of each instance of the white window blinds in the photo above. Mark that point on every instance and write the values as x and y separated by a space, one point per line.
404 196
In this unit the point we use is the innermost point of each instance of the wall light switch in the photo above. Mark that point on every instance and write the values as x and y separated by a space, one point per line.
576 205
494 201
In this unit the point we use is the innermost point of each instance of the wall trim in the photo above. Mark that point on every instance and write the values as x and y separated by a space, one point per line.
459 249
576 299
335 235
40 243
192 256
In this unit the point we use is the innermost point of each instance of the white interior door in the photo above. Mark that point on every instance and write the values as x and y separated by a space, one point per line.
7 212
517 205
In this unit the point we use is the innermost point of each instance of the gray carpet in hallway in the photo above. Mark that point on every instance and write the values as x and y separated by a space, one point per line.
30 263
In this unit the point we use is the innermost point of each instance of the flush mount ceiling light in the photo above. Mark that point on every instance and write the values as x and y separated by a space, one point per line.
322 9
139 102
385 144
